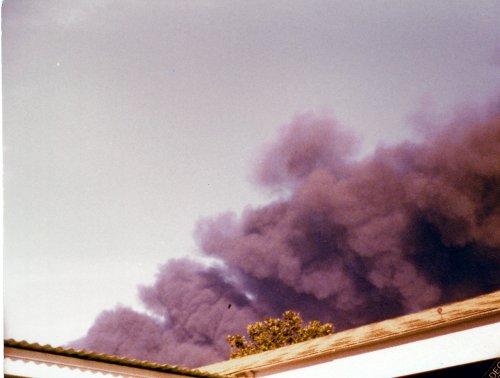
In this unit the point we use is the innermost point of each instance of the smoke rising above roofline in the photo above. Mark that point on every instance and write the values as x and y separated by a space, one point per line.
354 241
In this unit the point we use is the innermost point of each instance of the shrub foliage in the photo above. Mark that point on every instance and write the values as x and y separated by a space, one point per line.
274 333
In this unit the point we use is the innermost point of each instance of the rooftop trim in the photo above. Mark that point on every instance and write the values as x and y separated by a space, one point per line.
484 308
100 357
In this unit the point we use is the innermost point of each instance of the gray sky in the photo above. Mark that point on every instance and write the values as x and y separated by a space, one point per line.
126 121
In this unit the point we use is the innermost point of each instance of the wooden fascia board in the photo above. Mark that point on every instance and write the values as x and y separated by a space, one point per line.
447 318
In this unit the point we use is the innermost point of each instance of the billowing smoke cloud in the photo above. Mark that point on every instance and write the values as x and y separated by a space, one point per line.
350 242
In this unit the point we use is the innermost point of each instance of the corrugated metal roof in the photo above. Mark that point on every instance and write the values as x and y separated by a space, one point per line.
481 307
99 357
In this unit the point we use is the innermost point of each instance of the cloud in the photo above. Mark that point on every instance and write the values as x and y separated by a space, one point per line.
354 241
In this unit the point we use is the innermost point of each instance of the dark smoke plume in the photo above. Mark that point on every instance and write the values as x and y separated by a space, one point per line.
351 242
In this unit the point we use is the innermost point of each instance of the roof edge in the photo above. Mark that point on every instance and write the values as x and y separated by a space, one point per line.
101 357
419 323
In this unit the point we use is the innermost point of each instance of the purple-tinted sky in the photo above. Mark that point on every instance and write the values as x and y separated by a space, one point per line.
124 122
